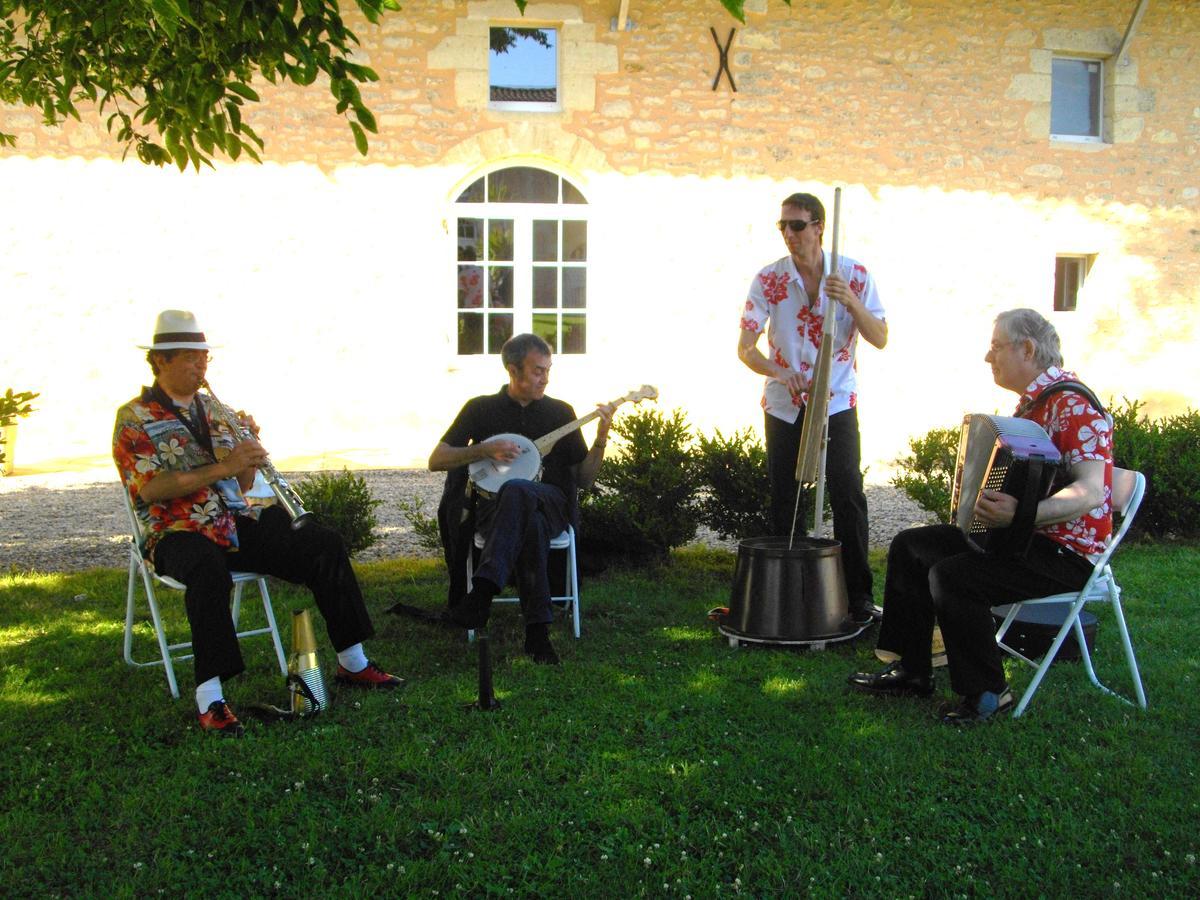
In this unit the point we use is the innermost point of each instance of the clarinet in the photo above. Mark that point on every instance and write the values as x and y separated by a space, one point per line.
284 492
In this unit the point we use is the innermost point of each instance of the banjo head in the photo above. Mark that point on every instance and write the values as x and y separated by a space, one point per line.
488 475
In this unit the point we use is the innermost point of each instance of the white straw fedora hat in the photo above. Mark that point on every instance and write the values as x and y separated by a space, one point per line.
176 329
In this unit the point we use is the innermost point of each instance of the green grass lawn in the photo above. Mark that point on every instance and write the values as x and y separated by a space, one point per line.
656 761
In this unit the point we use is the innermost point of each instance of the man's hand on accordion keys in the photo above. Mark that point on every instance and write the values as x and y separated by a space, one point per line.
994 509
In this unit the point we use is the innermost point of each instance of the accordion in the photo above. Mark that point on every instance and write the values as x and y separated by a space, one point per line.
1010 455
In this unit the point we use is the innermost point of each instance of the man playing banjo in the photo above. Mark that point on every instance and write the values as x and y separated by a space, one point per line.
519 520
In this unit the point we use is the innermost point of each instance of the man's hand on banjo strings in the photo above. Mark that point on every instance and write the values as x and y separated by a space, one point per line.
500 451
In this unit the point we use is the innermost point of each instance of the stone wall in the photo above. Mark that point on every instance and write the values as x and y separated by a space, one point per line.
329 278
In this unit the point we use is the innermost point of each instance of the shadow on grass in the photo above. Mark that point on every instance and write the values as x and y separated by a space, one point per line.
655 755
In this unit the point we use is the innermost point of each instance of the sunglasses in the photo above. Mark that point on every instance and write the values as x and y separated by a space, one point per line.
797 225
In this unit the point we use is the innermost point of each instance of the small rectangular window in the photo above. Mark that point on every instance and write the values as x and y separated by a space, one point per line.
1069 275
523 68
1076 89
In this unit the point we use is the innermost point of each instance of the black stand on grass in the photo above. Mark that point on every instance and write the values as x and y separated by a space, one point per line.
487 701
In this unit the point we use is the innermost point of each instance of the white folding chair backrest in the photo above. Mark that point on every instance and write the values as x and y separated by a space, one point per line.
1128 489
569 599
141 570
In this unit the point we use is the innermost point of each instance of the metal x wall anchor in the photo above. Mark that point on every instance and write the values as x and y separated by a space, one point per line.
723 68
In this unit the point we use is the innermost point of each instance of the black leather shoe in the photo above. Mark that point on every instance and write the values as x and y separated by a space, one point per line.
865 615
894 681
476 608
981 708
469 615
538 646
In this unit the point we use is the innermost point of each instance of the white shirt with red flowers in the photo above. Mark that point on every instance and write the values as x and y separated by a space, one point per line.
795 324
1080 432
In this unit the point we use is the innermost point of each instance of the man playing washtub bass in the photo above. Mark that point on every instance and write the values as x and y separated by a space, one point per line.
788 301
933 572
185 473
520 521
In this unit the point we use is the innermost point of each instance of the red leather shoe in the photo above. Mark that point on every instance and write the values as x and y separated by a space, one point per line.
220 720
370 677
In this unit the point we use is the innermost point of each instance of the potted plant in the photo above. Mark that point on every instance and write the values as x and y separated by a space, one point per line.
13 406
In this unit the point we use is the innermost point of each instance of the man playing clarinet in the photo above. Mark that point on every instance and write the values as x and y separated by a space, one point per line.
185 473
788 300
934 574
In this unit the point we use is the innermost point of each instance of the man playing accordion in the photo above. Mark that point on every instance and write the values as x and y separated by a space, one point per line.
934 574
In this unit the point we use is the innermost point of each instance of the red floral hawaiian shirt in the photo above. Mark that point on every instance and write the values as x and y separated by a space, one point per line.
149 439
777 301
1080 432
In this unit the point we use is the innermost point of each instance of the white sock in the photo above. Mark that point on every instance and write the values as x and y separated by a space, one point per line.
352 658
208 693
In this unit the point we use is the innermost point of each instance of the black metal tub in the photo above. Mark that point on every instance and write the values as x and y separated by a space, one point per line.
789 595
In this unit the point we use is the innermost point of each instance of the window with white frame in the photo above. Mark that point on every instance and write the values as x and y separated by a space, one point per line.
1070 270
522 261
1076 92
523 68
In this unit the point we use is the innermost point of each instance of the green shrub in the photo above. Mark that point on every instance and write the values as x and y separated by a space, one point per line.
424 526
644 500
927 473
13 406
1167 452
342 501
736 502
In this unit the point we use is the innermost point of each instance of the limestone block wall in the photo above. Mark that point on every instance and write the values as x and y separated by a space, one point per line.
329 278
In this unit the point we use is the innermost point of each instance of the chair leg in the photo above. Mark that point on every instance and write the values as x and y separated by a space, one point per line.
1085 656
1129 656
270 614
163 646
237 603
133 574
573 583
1048 659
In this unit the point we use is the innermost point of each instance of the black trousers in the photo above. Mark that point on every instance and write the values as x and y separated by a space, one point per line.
517 526
314 556
933 574
843 475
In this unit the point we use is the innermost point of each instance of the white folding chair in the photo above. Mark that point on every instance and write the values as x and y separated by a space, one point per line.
168 655
1127 490
569 600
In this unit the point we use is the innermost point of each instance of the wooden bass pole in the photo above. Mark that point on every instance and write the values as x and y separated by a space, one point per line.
814 433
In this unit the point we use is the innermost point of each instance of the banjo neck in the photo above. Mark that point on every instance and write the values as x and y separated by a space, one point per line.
547 441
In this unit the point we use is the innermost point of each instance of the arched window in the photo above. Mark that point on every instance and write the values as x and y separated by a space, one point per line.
522 261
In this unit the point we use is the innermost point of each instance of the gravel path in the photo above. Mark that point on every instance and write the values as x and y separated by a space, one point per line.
67 522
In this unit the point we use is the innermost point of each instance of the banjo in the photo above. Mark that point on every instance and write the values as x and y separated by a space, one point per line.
489 475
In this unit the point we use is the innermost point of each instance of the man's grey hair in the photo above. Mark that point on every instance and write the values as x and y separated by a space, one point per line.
1022 324
517 347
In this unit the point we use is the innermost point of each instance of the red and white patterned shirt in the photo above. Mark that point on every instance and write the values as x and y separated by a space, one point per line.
149 439
778 302
1080 432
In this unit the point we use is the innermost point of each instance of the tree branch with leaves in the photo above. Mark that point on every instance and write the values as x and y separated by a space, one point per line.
171 78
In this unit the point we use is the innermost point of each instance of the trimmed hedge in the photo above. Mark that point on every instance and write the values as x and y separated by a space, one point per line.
342 501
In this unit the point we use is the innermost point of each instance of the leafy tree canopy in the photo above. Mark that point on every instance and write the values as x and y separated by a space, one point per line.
178 71
171 77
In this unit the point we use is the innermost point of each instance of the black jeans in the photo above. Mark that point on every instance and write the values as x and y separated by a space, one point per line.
844 478
313 555
517 527
934 574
